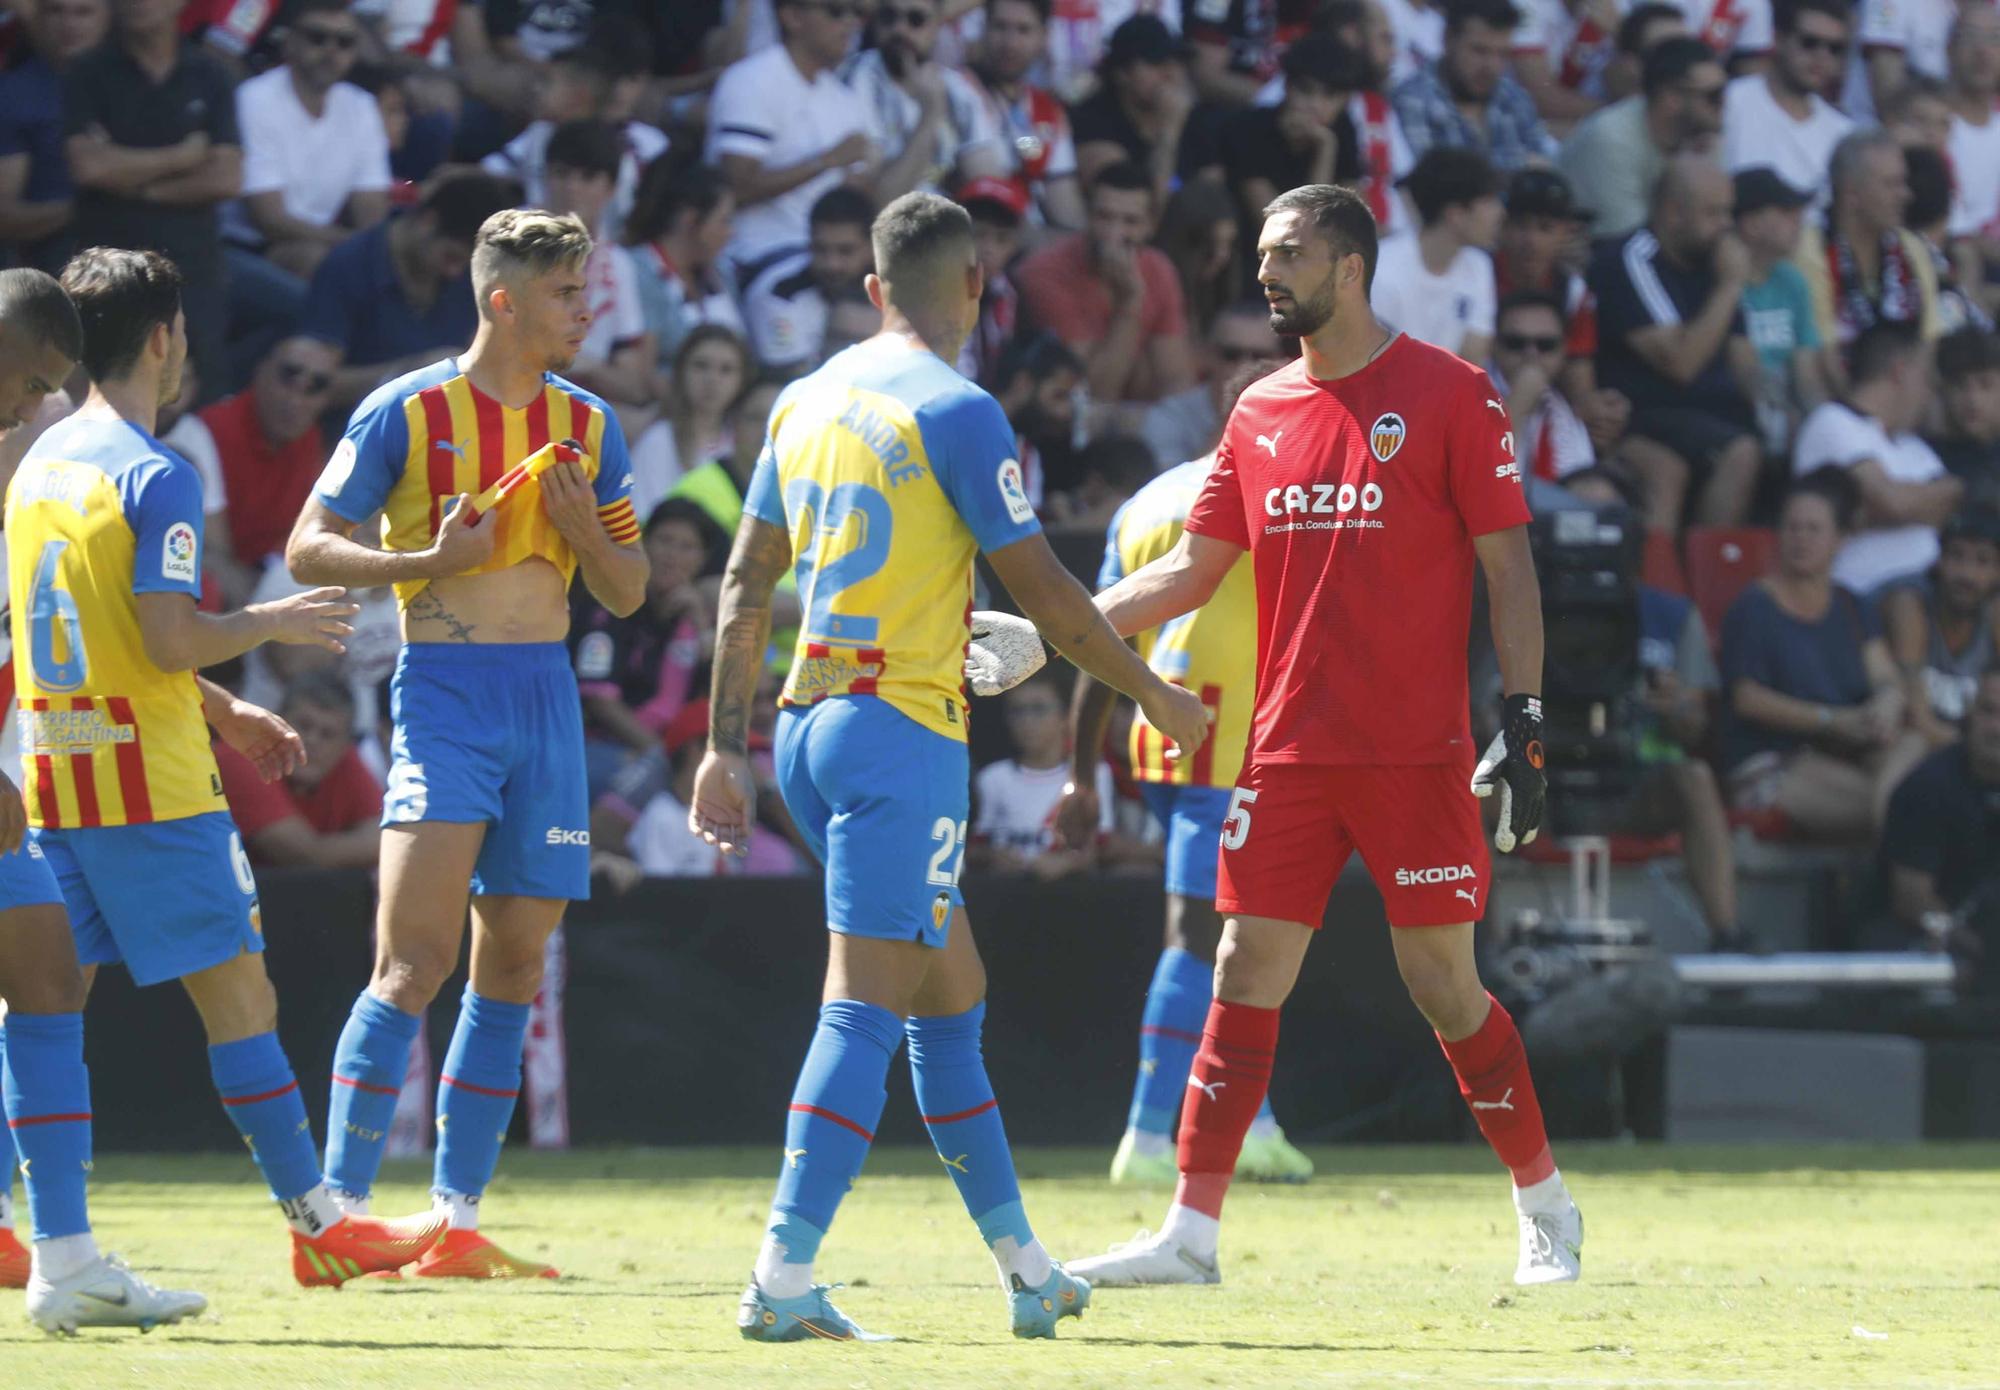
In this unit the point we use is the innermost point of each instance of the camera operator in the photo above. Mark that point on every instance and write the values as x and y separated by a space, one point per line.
1942 837
1677 792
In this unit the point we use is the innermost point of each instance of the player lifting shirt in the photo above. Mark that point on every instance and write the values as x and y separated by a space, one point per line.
486 794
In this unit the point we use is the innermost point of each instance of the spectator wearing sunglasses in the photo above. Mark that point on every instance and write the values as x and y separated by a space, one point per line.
929 118
1550 441
1776 119
268 439
1618 154
315 155
1900 39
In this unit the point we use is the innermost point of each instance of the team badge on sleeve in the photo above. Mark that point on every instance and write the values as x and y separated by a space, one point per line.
1385 436
177 552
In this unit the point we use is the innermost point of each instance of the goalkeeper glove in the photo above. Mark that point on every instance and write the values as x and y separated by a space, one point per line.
1513 766
1005 650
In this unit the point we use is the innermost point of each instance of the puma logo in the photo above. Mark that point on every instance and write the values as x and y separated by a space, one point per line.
1506 1102
792 1157
1269 443
1496 405
449 447
1471 895
1208 1088
957 1165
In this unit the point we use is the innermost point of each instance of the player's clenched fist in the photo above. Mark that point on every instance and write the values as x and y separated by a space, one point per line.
1513 766
1180 715
315 618
462 542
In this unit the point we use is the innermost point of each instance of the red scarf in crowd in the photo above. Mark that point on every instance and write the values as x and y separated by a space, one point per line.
1378 176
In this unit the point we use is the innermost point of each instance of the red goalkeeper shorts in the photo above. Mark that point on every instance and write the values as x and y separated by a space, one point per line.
1291 827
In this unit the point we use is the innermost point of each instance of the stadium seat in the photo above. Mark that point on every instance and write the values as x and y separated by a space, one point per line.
1721 562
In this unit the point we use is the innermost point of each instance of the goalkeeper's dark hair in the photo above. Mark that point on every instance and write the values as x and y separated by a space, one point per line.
1340 215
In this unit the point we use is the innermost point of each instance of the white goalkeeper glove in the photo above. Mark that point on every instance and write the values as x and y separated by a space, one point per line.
1513 767
1005 651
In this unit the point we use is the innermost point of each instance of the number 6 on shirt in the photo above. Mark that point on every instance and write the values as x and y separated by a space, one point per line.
1236 825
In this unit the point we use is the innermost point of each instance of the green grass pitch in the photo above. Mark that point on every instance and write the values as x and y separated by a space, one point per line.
1751 1267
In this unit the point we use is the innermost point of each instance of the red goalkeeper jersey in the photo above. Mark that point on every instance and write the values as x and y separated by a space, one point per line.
1358 500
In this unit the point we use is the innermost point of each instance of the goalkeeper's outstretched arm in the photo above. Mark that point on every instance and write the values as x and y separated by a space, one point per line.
1061 609
1180 581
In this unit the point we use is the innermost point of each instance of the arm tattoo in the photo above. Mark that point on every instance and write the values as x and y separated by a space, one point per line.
428 605
743 630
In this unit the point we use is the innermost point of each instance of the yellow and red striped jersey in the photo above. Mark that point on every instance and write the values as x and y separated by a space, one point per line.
1212 651
98 513
430 435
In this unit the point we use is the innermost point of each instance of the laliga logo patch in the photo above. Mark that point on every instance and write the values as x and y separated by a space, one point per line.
1014 491
177 553
1386 435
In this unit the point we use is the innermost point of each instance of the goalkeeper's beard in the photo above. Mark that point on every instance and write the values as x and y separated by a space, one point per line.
1304 317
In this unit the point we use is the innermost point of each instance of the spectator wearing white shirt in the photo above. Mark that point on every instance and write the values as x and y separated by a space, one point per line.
600 79
1560 52
1899 38
932 125
1974 142
1437 284
1776 119
618 357
1013 825
315 155
1905 492
784 129
786 306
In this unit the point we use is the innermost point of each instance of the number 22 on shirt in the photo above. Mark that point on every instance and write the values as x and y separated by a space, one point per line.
823 581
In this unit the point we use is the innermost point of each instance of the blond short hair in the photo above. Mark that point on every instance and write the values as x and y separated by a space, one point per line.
523 243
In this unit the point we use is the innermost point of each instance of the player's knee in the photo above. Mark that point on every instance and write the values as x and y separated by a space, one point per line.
1247 974
411 979
1446 993
60 992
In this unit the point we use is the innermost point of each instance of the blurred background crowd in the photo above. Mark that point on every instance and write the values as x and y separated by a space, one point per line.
1732 265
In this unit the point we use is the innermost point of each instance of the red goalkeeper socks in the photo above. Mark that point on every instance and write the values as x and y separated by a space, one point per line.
1225 1089
1492 1068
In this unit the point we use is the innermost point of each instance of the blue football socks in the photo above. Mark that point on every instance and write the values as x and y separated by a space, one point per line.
48 1101
368 1070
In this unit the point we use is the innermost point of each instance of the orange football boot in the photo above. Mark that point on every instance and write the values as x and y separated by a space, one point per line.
470 1255
357 1245
15 1261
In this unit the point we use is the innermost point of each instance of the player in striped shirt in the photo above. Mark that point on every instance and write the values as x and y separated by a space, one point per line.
1213 652
122 796
486 796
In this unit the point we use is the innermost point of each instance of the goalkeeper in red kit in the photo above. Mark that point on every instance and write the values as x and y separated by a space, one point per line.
1364 479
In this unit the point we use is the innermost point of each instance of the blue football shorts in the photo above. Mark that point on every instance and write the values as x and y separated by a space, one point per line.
493 733
1192 818
883 802
25 877
168 898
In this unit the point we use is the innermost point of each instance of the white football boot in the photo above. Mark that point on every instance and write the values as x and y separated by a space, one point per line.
1147 1259
106 1293
1551 1247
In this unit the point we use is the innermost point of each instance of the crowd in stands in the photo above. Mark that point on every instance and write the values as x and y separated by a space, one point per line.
1733 265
